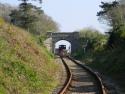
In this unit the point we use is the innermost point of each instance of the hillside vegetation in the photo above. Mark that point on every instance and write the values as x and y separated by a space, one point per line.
25 67
106 52
5 10
39 22
110 62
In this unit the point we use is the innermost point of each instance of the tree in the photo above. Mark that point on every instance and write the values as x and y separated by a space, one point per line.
44 24
95 40
32 0
33 19
113 14
91 41
5 10
109 13
24 17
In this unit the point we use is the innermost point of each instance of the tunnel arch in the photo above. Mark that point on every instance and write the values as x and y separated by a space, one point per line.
72 37
63 42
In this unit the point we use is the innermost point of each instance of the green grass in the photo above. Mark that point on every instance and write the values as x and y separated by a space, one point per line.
25 67
112 64
109 62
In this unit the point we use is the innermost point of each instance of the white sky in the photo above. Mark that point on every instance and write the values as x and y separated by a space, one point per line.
71 15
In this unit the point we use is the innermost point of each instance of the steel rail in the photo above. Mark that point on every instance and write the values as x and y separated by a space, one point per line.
95 74
69 77
68 80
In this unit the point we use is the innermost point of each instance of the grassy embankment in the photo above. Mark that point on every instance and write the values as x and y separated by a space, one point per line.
110 62
25 67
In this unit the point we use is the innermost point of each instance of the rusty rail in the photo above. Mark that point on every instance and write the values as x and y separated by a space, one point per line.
99 81
68 80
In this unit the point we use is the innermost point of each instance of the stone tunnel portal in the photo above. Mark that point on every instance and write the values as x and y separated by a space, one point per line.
58 38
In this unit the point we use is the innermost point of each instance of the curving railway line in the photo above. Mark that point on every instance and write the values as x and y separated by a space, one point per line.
80 79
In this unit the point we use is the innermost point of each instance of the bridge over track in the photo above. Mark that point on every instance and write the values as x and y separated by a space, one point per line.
71 37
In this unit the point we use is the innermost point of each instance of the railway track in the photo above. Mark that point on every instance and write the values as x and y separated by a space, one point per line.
80 79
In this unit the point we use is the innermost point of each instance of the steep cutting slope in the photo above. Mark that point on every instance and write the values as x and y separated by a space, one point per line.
25 67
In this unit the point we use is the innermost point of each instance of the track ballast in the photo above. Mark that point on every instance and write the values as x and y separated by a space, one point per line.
80 79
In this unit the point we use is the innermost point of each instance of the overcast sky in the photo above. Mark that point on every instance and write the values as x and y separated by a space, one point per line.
71 15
